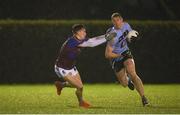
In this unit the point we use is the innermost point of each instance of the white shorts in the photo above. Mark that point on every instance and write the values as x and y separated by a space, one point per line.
64 72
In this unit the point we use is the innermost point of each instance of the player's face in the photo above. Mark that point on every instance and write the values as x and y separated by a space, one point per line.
81 33
117 22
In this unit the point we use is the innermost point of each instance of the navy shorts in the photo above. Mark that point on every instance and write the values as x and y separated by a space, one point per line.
118 65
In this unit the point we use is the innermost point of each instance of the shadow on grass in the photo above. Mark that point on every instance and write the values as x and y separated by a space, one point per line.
164 107
98 107
95 107
70 106
149 106
160 107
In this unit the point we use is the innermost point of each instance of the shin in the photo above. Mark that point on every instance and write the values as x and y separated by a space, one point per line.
130 67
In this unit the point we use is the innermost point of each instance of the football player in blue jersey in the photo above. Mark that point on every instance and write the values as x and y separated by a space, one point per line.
121 59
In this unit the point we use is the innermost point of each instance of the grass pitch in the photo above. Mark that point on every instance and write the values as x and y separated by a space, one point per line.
105 98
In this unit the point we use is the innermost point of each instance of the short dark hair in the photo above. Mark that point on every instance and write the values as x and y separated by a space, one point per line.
77 27
116 14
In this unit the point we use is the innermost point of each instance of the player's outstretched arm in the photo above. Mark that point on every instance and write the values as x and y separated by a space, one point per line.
95 41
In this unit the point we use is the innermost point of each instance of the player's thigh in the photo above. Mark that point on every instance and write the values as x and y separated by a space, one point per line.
130 66
119 70
74 81
79 77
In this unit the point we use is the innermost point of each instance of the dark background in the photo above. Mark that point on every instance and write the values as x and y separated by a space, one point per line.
29 48
89 9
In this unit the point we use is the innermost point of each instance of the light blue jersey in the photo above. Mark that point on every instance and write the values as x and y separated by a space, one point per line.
119 43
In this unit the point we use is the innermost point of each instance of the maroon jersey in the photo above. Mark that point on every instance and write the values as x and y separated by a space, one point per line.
68 53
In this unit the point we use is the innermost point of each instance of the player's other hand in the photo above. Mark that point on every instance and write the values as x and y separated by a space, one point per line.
132 35
110 36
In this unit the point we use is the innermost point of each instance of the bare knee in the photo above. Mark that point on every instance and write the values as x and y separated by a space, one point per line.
79 87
